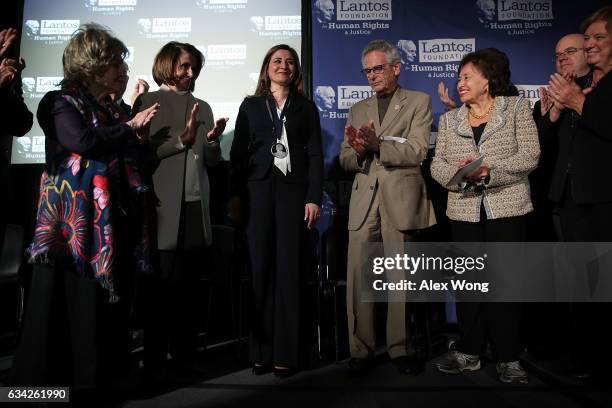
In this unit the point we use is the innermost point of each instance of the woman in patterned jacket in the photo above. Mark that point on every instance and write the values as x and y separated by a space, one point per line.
89 238
489 204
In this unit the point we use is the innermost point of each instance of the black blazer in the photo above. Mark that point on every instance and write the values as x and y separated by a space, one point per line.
250 155
585 149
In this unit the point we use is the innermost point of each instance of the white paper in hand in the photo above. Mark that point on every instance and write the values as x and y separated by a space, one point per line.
464 171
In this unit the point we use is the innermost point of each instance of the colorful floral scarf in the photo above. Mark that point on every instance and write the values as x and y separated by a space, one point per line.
79 201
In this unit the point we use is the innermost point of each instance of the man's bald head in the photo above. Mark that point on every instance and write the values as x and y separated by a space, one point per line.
570 56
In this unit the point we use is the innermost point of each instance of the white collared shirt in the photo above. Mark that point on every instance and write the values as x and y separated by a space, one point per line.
283 164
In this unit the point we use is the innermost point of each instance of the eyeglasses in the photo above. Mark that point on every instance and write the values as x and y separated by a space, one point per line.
377 69
568 51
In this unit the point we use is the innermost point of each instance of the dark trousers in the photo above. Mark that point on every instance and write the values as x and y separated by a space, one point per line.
275 233
172 309
497 322
72 336
586 223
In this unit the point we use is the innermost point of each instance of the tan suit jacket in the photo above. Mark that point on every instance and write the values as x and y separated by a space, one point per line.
396 168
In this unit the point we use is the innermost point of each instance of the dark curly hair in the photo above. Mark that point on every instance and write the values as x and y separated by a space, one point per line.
494 66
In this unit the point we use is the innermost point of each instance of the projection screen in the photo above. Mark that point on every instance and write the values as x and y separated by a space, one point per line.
232 34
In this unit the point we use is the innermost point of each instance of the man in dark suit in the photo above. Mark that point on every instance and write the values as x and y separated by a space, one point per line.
547 332
557 127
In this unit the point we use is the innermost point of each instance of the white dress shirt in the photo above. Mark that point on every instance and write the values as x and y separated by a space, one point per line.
283 164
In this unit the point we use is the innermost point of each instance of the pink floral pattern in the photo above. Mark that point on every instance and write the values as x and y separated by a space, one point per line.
75 213
100 192
73 162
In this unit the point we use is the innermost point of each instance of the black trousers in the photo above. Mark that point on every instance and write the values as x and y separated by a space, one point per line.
586 223
72 336
275 235
497 322
172 310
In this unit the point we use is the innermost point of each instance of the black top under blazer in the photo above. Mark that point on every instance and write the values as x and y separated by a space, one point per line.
250 155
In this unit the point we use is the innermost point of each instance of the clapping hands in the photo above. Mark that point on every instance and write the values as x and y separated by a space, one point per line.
189 134
564 91
217 130
363 139
141 121
10 69
7 37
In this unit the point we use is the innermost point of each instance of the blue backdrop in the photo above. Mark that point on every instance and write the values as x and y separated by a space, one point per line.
432 37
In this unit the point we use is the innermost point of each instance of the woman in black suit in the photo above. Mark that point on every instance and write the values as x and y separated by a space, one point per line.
583 181
277 166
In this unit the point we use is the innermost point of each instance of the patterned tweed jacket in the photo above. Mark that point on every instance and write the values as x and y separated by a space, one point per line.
509 144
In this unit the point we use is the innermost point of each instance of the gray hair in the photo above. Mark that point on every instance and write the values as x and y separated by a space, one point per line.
90 51
391 50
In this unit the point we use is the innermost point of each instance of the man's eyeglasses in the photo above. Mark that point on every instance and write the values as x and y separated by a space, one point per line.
568 51
377 69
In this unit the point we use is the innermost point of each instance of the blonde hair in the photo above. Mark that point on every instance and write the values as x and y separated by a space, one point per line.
90 51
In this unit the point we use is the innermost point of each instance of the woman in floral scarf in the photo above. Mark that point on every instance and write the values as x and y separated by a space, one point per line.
91 236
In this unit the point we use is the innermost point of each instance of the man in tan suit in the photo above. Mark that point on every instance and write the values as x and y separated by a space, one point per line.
385 141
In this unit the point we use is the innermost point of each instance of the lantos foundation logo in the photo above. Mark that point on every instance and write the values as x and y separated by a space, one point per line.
524 10
445 49
363 10
348 95
515 17
58 27
219 55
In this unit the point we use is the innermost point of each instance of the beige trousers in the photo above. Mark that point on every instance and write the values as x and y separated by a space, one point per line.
359 296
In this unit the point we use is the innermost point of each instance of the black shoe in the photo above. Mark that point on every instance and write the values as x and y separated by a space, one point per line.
261 369
408 365
579 373
284 372
580 368
359 366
